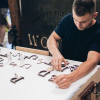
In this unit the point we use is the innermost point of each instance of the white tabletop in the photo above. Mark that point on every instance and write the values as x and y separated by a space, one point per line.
34 87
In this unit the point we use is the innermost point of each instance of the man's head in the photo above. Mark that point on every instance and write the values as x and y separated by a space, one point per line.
84 12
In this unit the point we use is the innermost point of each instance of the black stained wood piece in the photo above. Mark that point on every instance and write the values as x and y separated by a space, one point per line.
74 67
63 65
47 63
1 59
16 79
51 78
64 68
5 55
16 55
10 52
71 68
13 64
35 57
1 65
45 73
26 65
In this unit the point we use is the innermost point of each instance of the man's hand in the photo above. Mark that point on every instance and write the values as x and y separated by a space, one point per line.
57 58
63 81
57 61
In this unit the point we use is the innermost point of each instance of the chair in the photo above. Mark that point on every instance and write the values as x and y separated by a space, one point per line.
32 50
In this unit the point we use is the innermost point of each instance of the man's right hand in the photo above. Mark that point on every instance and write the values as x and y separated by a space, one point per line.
56 62
57 58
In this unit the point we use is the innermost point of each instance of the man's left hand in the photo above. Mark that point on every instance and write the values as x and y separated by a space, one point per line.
63 81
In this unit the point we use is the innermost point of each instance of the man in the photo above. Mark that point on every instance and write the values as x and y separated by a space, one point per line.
3 21
80 34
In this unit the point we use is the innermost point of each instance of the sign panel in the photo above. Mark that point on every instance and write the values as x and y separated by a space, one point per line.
40 17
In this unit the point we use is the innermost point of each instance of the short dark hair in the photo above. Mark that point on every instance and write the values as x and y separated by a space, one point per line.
81 7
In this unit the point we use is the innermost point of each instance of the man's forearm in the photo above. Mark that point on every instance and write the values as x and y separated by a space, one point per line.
52 46
84 69
57 57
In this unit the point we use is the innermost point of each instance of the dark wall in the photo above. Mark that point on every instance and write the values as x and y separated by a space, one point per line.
40 17
98 9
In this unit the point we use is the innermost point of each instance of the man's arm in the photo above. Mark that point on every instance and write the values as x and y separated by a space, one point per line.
86 67
57 58
65 80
